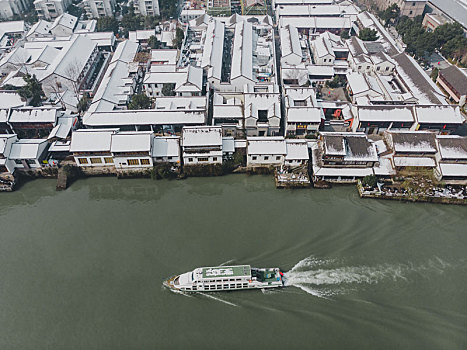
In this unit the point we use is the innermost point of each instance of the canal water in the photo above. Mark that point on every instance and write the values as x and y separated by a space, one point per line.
84 268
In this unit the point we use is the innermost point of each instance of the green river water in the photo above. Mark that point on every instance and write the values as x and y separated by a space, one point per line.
84 268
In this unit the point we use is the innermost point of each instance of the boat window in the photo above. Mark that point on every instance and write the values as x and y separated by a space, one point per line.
192 276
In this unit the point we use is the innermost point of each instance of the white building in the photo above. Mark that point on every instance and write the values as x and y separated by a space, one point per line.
64 25
262 110
166 149
147 7
9 8
132 150
92 148
51 9
290 46
303 115
202 145
451 159
7 165
28 154
266 151
297 152
99 8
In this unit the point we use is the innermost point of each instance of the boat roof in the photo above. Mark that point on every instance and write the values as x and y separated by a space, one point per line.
226 271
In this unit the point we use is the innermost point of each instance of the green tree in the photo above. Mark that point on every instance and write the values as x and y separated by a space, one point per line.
32 90
179 35
83 104
139 101
368 34
153 43
370 180
168 8
390 14
74 10
345 35
168 89
107 24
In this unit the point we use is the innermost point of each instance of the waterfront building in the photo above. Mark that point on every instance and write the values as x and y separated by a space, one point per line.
33 122
29 154
166 149
266 151
451 159
297 153
202 145
132 150
411 148
92 148
7 165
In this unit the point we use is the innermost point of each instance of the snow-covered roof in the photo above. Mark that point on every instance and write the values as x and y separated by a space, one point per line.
9 99
41 27
60 146
63 127
201 136
385 114
34 115
304 115
131 142
92 140
242 54
453 169
164 56
296 149
228 144
144 117
439 114
413 142
414 161
452 146
125 51
27 148
65 20
267 145
166 146
384 168
290 41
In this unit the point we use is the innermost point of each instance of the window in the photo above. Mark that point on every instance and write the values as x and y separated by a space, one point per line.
80 161
387 68
263 115
30 161
254 157
214 159
278 157
190 159
410 12
145 162
96 160
359 67
266 157
169 158
203 159
17 161
378 68
108 160
133 162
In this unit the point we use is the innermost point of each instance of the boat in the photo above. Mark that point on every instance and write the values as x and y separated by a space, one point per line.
226 278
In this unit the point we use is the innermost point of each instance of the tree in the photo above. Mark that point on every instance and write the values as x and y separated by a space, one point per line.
107 24
370 181
139 101
32 90
153 43
74 10
168 89
179 35
391 13
368 34
345 35
83 104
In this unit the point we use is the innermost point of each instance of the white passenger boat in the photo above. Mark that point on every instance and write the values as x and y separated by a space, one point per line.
223 278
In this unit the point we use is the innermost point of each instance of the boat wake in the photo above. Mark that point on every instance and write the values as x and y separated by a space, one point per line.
320 278
209 296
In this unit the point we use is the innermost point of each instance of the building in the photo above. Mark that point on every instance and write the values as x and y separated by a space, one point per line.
51 9
92 148
409 8
10 8
166 149
99 8
454 81
451 159
7 165
376 119
431 21
29 154
262 110
297 153
132 150
411 149
202 145
33 122
147 7
64 25
303 116
266 151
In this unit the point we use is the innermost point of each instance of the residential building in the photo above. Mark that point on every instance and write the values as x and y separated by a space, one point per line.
303 115
64 25
33 122
99 8
7 165
10 8
147 7
51 9
28 154
92 148
262 110
202 145
132 150
376 119
267 151
297 153
409 8
166 149
451 159
454 81
431 21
